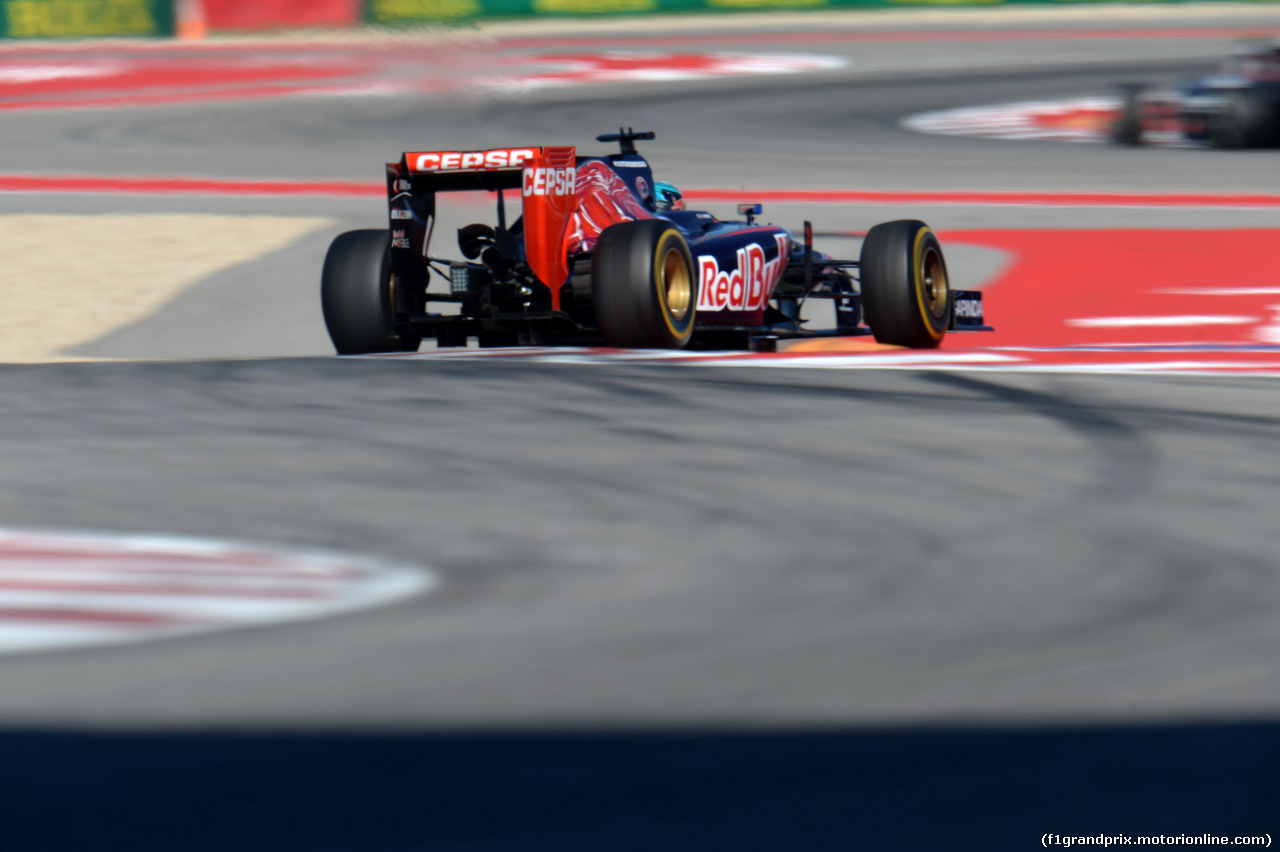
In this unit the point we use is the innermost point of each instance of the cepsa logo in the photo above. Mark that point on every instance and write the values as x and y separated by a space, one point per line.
746 288
542 181
452 161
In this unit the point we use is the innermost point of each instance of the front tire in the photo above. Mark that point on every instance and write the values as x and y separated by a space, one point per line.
1248 119
358 295
906 295
643 285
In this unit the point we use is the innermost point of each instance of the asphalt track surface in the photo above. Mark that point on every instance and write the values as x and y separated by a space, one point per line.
680 607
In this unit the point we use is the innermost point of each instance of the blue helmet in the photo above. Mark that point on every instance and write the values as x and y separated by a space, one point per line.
666 197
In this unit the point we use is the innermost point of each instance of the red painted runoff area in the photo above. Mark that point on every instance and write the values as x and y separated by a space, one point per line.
1129 287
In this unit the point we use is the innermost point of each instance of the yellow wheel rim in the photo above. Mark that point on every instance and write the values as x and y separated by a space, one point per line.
932 289
933 282
675 284
393 285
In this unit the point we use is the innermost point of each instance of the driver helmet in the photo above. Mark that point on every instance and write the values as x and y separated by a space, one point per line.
666 197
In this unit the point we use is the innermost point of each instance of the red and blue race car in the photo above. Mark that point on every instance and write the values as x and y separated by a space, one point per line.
602 253
1237 107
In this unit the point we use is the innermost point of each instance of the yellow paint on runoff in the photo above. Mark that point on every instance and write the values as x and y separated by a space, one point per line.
67 280
592 7
763 4
392 11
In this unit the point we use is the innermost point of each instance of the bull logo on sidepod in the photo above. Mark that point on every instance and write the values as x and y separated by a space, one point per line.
746 288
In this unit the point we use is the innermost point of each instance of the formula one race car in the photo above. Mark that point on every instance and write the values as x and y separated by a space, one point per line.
1238 107
604 254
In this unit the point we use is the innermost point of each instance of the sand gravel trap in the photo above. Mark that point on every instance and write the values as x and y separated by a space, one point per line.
68 280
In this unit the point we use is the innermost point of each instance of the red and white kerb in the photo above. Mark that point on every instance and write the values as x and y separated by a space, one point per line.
62 590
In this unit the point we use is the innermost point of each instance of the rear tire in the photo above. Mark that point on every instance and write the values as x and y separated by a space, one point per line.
1127 129
906 296
358 295
643 285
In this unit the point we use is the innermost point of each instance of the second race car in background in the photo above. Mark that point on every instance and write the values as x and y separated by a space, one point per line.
603 253
1238 107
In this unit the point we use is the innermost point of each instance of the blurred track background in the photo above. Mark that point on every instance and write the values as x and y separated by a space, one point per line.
679 607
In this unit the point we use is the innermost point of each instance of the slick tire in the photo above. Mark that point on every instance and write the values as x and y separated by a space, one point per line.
643 285
357 294
1127 129
906 296
1249 119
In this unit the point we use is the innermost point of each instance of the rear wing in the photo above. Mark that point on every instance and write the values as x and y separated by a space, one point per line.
545 177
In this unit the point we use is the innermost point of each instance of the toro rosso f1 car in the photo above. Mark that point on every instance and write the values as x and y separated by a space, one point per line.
603 254
1238 107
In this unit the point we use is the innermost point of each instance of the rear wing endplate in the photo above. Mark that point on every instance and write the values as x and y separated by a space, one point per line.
546 178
